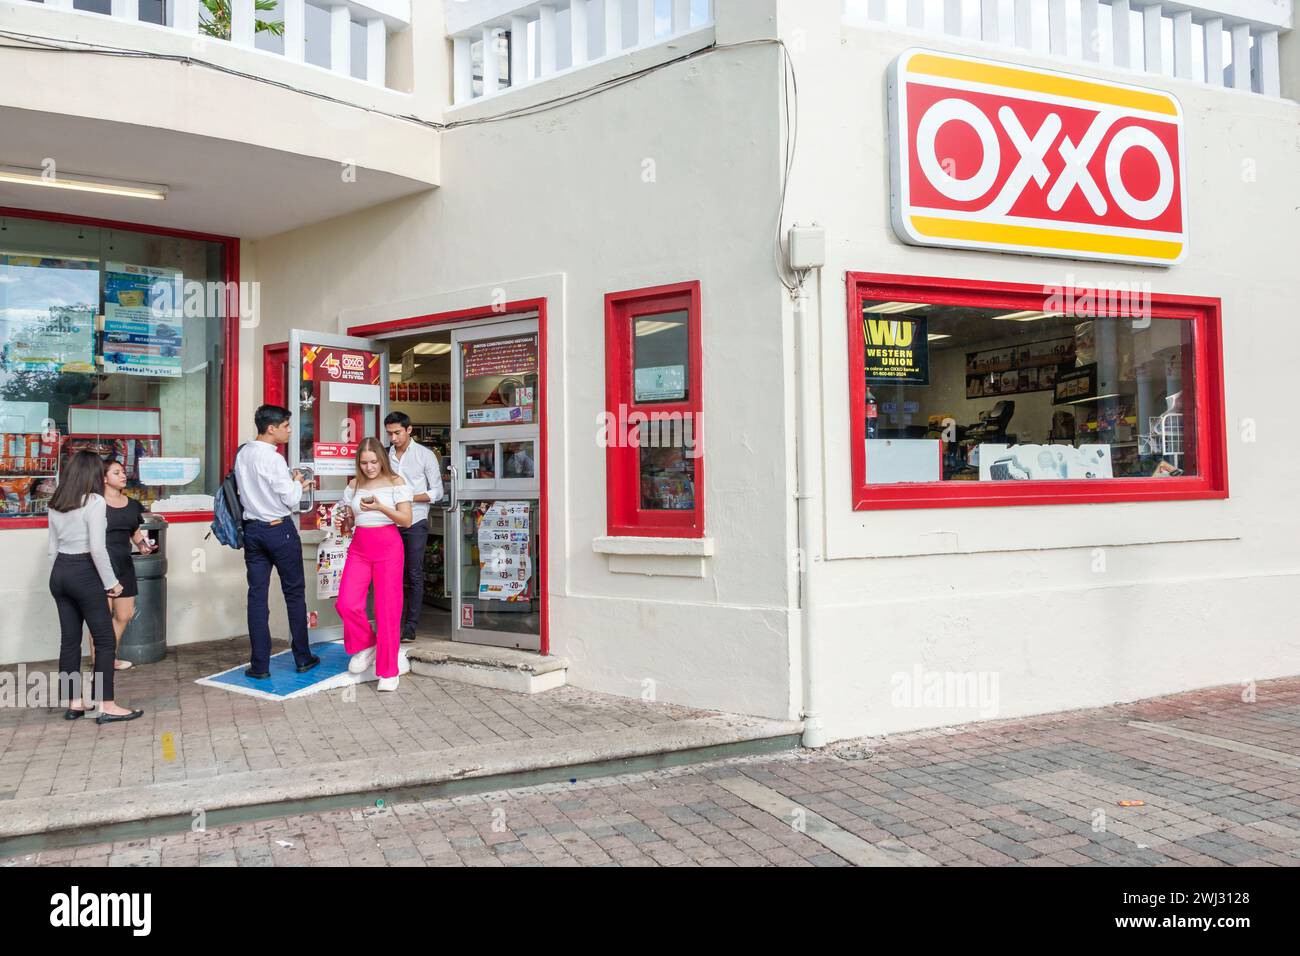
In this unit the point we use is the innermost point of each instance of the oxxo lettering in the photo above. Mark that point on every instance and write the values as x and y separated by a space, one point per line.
989 155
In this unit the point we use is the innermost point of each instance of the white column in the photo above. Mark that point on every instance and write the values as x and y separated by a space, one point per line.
1090 30
1183 44
613 26
243 22
952 17
877 9
645 22
546 40
1241 56
1122 28
462 71
916 14
578 31
185 16
1056 40
519 51
1270 68
989 20
126 9
491 65
1151 52
295 29
340 40
1024 24
1214 51
681 16
376 52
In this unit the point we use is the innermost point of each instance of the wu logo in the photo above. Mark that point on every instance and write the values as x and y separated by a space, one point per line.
883 332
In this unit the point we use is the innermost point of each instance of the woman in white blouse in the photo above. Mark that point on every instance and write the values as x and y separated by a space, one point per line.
82 575
376 503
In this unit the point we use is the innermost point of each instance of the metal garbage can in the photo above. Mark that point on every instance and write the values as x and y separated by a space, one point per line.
145 639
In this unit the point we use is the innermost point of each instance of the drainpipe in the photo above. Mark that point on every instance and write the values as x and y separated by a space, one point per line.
808 510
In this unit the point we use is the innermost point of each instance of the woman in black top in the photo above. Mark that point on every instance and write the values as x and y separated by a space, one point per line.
124 517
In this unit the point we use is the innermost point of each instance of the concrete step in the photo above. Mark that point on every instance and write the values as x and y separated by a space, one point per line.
503 668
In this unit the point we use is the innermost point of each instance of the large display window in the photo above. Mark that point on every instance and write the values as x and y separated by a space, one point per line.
114 339
967 393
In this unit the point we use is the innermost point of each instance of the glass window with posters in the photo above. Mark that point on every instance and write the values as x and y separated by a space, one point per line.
980 393
111 340
500 381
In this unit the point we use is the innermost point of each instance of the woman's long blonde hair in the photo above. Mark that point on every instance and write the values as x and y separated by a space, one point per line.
381 453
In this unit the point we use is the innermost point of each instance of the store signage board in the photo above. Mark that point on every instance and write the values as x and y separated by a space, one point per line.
896 350
333 458
1008 158
143 328
323 363
167 471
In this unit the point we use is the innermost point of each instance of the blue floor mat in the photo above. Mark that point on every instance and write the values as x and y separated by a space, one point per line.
285 681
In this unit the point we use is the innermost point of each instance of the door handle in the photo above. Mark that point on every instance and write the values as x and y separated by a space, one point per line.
453 501
309 493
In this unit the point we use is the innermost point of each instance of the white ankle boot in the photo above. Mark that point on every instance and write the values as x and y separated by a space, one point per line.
362 661
387 683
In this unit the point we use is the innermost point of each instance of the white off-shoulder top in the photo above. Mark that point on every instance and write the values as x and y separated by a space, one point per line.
390 495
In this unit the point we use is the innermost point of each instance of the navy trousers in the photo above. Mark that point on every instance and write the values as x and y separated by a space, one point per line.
414 539
279 547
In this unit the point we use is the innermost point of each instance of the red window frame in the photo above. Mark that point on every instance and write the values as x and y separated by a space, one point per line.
624 515
1210 482
230 343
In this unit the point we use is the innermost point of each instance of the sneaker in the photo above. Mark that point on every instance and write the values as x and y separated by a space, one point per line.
387 683
362 661
408 637
403 664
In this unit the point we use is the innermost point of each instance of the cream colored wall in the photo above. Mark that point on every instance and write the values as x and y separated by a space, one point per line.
1068 606
568 194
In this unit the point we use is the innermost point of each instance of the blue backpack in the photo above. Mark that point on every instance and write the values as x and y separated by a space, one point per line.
228 512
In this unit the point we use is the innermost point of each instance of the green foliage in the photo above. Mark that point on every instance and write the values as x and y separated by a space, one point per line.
216 23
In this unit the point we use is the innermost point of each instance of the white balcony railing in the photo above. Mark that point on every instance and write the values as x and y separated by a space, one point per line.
1230 43
345 36
503 44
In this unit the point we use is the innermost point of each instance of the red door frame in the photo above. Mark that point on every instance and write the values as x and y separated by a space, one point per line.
1210 482
230 372
275 379
501 313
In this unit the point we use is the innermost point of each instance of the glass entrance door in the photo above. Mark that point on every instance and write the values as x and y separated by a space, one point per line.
491 537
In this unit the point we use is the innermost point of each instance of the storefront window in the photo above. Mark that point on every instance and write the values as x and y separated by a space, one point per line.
653 432
110 340
994 400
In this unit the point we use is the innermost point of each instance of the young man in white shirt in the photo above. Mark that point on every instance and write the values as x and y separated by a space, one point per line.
419 466
269 494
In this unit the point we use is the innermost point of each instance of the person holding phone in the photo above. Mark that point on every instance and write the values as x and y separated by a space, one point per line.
82 575
269 493
125 515
375 505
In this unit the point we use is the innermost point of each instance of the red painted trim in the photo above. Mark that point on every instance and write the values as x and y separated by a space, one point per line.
1211 482
624 515
503 313
230 370
275 374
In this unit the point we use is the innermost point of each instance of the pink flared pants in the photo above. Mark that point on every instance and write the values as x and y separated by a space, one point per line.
376 554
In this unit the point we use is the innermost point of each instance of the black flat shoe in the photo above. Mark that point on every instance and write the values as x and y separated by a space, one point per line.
256 676
303 668
73 714
114 718
408 638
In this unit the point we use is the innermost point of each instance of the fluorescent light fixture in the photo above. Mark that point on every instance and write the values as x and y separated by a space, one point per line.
893 308
1023 316
23 176
1080 401
395 369
433 348
936 336
649 327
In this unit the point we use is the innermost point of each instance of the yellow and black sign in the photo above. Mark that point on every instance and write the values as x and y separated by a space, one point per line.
896 350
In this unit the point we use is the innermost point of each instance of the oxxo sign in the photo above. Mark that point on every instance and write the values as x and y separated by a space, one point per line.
986 155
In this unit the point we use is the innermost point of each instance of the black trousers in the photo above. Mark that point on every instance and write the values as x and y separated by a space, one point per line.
80 597
414 539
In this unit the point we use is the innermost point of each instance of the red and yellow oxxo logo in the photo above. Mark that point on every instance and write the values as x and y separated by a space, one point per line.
987 155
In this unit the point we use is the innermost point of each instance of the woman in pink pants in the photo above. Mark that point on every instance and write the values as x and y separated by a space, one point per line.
377 503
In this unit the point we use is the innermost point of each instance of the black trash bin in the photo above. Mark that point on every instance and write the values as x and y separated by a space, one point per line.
145 639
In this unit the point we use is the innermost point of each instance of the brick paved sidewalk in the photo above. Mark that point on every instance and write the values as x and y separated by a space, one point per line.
1043 791
191 732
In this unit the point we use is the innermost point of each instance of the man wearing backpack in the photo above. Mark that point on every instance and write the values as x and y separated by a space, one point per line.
269 494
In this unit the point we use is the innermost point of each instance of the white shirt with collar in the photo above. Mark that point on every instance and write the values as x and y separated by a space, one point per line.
266 486
419 466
